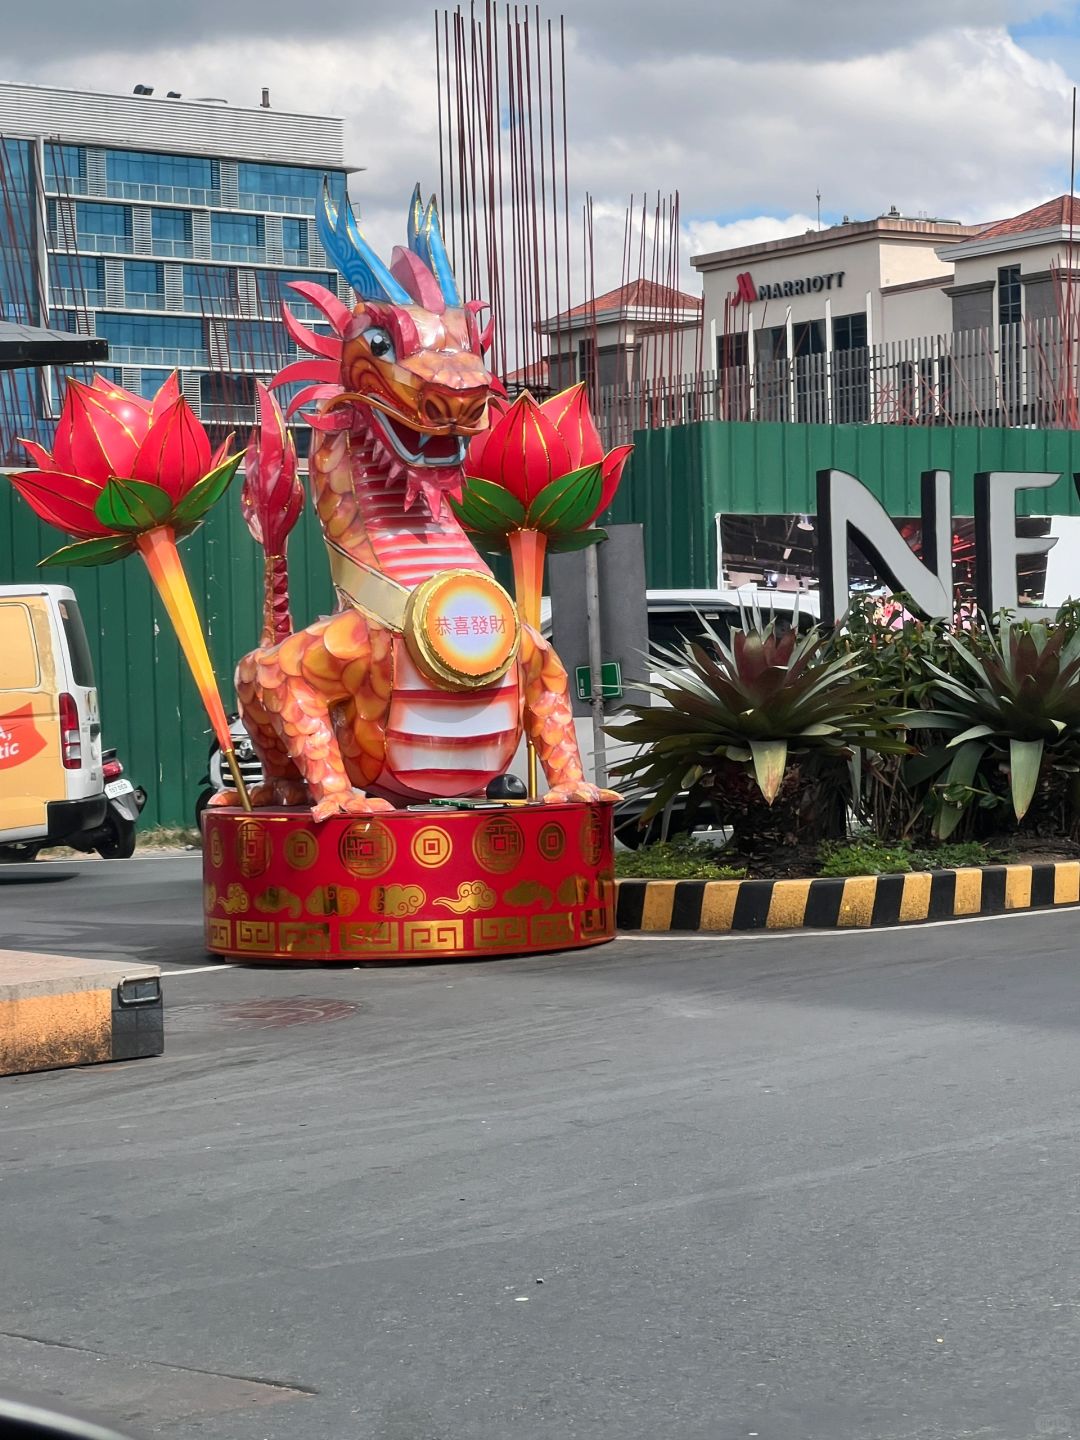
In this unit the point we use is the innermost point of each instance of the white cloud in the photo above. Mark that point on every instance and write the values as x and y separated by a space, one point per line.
932 107
703 236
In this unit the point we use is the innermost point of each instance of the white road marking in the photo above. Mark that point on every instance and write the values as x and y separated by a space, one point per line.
200 969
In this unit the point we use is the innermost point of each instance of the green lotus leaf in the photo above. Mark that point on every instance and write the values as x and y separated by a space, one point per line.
207 492
103 551
569 502
132 505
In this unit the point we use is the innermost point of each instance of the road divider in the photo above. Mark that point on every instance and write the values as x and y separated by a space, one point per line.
859 901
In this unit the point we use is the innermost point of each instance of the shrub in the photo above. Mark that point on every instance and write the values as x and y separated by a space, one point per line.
761 728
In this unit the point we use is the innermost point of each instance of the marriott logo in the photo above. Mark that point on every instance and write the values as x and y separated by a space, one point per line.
746 292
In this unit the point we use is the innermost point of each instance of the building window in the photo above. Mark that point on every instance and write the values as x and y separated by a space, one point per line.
732 351
849 332
209 288
256 344
102 227
285 187
164 340
238 237
65 167
144 285
294 239
223 395
170 232
140 175
1009 295
272 287
77 280
149 382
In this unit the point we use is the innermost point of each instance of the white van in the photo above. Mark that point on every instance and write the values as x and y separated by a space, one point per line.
51 783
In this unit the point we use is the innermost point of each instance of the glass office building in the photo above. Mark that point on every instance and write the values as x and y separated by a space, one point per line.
171 228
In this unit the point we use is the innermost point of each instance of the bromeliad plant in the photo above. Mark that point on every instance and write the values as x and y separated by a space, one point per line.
1014 702
770 715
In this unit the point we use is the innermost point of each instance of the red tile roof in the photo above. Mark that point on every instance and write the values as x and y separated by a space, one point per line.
1054 214
637 295
535 373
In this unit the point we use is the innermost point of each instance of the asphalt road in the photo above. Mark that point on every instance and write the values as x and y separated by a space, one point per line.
819 1187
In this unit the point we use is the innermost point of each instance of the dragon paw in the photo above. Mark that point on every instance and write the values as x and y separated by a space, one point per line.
224 797
571 790
353 802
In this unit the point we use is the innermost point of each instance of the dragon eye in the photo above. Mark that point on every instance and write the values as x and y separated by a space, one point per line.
379 343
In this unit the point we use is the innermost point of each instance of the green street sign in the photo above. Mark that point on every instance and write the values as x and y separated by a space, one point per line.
610 681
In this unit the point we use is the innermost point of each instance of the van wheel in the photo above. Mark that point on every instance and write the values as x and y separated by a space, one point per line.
15 854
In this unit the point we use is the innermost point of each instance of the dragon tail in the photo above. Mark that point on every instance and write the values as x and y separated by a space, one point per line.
271 499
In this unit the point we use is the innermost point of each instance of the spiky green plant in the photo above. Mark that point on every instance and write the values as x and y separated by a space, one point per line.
745 709
1017 701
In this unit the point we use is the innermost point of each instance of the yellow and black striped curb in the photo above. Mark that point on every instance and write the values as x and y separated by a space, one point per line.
859 901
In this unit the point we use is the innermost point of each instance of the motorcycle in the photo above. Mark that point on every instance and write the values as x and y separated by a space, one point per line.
218 776
114 839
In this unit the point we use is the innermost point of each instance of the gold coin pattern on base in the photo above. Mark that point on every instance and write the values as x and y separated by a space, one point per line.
431 846
367 849
498 844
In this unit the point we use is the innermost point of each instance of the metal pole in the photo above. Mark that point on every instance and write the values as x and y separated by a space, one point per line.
596 688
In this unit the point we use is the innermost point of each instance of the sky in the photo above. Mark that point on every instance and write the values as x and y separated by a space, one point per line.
958 109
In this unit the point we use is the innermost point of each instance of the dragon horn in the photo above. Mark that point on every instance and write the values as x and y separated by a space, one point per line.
416 222
347 249
437 256
425 240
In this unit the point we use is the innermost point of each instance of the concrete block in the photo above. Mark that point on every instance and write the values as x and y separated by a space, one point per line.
56 1010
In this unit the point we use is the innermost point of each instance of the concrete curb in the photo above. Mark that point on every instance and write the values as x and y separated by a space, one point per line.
56 1010
857 902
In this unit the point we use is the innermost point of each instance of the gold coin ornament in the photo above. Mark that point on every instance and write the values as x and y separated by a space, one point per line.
367 849
551 841
252 848
301 850
498 845
431 846
462 629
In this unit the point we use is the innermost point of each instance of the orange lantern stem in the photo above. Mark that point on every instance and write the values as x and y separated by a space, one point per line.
527 550
158 549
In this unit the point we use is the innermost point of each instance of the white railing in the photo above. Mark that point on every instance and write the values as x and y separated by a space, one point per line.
1026 374
283 204
166 194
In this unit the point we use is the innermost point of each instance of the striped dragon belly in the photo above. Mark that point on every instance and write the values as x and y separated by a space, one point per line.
447 743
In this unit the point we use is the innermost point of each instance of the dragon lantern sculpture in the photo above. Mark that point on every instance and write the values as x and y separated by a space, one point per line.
422 682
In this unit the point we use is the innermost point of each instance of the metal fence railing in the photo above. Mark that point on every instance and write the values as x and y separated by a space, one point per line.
1027 374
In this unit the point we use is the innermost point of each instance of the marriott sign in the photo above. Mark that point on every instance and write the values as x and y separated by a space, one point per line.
746 292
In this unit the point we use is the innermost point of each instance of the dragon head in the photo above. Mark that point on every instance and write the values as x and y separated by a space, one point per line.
407 362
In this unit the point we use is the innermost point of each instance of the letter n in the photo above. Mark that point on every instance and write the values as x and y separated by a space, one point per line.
847 510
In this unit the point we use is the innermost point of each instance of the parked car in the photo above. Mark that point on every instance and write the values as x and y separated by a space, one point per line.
217 775
673 615
52 789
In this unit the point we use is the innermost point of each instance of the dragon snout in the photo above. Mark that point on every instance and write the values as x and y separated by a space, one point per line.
462 411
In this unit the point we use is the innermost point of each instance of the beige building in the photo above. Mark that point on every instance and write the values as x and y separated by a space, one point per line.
641 331
895 320
852 285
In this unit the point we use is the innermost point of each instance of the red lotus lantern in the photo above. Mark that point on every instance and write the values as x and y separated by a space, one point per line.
535 481
127 474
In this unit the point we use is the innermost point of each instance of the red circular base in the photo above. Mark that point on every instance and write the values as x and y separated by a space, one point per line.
407 885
